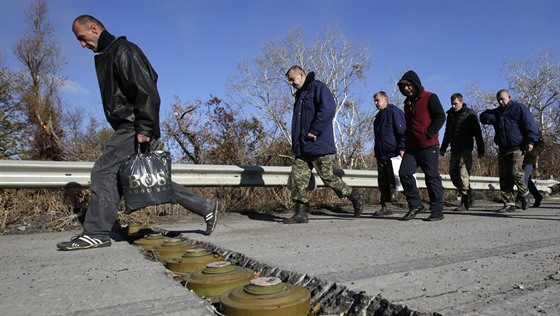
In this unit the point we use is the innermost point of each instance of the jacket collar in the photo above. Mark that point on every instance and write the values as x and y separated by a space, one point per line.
105 40
309 78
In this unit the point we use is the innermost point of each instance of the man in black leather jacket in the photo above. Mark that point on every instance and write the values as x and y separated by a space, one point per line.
128 86
461 128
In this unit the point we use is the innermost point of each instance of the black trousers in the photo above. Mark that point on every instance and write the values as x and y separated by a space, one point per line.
385 180
427 159
106 192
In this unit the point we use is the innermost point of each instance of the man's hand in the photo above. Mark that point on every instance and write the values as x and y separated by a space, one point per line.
142 138
530 147
311 137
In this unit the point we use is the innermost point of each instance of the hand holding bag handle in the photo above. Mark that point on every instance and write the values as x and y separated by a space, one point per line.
146 178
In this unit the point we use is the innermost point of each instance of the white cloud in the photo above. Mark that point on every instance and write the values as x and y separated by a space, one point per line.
72 87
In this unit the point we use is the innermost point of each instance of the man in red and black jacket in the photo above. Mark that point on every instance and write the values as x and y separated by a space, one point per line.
424 116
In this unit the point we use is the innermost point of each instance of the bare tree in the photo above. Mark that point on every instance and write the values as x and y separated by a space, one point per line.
261 85
39 53
83 140
12 138
536 81
187 132
213 132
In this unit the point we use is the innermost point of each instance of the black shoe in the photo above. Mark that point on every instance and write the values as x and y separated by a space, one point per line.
460 208
465 201
412 213
384 211
84 242
211 219
538 201
296 219
357 202
472 198
300 217
524 202
507 208
434 218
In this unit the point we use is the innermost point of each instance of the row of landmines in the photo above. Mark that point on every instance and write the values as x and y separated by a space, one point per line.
235 290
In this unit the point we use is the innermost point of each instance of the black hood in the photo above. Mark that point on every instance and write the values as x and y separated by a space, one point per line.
412 77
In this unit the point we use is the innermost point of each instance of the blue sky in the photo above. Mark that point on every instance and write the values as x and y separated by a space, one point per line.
195 45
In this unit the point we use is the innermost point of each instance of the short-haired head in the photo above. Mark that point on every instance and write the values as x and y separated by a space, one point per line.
296 77
503 97
381 100
382 94
86 19
457 96
295 68
502 91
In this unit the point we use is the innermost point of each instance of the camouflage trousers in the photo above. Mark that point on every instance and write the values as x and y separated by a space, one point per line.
301 176
460 165
510 167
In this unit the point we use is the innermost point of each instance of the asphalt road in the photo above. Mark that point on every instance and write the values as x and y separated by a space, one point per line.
476 262
36 279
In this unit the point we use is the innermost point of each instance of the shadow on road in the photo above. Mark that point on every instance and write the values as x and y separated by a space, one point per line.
265 217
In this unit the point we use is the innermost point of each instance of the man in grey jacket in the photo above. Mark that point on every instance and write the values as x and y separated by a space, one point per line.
130 97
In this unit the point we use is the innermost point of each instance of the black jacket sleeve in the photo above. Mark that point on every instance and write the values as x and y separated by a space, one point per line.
437 114
478 135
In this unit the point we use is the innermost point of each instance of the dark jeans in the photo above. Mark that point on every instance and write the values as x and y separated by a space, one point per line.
106 191
427 159
528 169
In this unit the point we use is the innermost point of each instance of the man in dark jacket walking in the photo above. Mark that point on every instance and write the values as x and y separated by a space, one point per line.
424 118
388 127
130 97
515 132
462 126
313 143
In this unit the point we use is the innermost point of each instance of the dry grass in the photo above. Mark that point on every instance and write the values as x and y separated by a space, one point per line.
34 210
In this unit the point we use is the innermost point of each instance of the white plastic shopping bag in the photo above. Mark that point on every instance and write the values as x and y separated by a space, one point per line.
396 163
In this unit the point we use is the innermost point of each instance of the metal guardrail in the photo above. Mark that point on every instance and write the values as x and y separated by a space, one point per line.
59 174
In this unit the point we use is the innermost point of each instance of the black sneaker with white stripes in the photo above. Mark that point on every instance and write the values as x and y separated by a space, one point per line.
212 219
84 242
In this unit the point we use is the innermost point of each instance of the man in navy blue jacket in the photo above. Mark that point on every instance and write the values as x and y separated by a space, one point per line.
313 143
388 126
515 134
